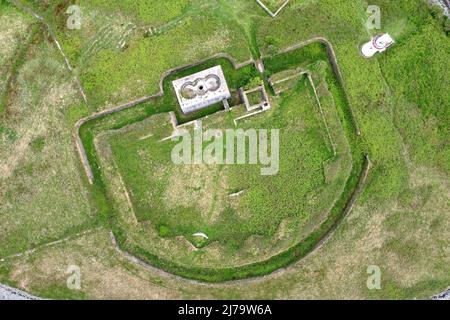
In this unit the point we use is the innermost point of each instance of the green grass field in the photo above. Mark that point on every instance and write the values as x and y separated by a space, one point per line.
399 100
42 195
17 32
273 5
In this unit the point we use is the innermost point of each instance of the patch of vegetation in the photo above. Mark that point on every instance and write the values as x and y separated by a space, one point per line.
253 83
38 144
7 135
164 231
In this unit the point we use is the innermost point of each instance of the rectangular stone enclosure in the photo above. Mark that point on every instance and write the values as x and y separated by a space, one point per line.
201 89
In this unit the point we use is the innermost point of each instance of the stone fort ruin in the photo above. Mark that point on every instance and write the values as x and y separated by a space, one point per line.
202 89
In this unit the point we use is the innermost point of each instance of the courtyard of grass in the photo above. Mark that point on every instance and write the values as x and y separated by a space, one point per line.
183 200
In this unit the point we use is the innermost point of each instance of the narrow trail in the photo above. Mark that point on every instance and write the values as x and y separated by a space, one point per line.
50 244
58 46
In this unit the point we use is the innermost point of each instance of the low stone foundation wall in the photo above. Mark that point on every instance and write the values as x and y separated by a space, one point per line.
445 4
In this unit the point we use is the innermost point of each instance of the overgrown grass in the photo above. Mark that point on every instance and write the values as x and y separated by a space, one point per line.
146 165
216 274
112 73
400 115
43 199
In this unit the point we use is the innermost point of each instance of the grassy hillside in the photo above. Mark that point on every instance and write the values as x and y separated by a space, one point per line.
400 100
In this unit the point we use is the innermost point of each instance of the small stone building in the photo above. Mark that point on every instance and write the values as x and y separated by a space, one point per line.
379 43
202 89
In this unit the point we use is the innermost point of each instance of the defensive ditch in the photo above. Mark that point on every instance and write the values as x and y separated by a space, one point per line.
86 130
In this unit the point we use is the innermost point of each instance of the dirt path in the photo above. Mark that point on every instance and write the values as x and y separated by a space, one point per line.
58 45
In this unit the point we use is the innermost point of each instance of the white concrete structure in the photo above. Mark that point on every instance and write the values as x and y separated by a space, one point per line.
201 89
272 14
379 43
263 103
201 235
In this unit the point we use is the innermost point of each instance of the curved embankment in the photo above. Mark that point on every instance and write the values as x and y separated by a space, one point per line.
343 206
249 276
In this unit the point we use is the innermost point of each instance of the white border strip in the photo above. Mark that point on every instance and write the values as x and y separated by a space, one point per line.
273 15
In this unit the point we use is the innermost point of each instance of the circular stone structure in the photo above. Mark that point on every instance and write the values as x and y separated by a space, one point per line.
201 89
379 43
